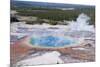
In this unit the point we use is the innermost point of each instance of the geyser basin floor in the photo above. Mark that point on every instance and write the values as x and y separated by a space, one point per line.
53 41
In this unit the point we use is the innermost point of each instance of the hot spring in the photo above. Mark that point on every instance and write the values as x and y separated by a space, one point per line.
46 35
52 41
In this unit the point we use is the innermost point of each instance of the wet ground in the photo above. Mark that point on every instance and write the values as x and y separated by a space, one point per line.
78 54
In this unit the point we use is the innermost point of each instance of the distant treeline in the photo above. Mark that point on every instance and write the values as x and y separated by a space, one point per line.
56 14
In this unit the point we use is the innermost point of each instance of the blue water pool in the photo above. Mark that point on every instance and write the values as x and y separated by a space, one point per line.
51 41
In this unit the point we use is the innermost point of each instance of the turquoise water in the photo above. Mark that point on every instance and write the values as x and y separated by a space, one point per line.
51 41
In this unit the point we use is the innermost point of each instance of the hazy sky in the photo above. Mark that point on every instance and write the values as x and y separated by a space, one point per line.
86 2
